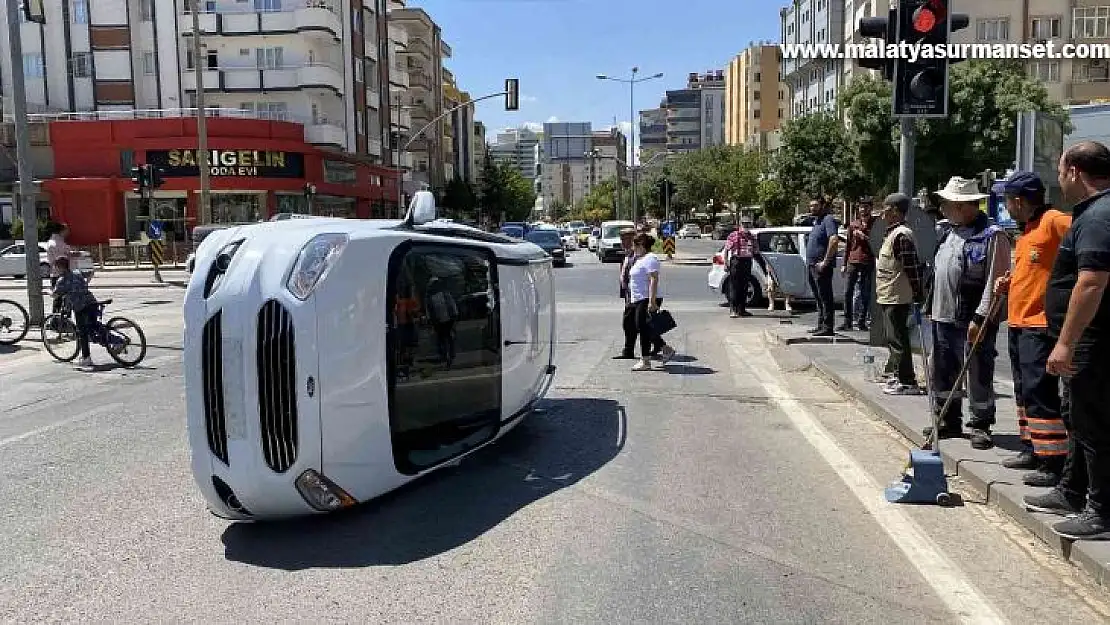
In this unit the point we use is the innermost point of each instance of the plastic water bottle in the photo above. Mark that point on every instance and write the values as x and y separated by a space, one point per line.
870 369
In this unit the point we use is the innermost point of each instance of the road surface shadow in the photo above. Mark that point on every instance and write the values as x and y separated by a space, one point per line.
689 370
450 507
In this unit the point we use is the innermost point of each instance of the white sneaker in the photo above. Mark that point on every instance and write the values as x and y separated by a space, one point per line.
85 364
643 365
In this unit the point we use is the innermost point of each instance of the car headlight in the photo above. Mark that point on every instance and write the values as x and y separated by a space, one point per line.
321 493
314 262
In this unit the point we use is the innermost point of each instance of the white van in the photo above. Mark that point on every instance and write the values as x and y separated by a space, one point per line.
328 361
609 243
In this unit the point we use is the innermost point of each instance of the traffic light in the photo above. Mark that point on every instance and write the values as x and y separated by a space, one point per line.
154 177
921 86
139 178
512 94
885 29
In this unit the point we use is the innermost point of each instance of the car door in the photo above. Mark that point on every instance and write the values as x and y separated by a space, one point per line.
780 250
444 353
13 261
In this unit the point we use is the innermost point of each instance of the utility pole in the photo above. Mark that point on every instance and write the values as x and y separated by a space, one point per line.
204 210
905 156
27 211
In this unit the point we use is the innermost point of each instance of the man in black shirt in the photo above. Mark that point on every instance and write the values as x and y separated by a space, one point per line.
1078 312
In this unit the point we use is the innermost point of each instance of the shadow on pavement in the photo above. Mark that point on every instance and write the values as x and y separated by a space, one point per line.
689 370
450 507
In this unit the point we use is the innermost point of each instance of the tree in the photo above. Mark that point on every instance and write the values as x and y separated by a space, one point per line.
461 197
600 204
505 193
816 158
979 133
717 176
559 210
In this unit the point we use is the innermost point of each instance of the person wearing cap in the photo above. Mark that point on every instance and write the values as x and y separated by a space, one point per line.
897 289
1036 391
971 255
1078 312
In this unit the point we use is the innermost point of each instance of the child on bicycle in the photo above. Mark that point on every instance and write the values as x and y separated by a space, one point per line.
72 287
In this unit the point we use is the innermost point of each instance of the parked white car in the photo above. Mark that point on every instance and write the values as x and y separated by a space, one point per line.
570 239
783 248
13 262
592 239
690 231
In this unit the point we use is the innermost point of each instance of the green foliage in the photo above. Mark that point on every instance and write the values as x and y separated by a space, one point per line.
460 197
504 192
46 229
777 204
816 158
600 204
559 210
979 133
721 174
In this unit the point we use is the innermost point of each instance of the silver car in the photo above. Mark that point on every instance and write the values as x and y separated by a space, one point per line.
783 247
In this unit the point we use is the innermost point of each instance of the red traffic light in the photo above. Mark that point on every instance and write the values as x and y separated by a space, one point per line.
924 20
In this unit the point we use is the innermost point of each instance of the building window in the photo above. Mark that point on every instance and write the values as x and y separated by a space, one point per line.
266 6
267 110
1090 72
80 65
269 58
32 66
79 11
995 29
1090 22
1046 27
755 96
755 113
359 69
149 67
757 79
1045 71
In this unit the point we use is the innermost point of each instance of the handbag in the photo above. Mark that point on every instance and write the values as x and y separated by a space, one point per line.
661 322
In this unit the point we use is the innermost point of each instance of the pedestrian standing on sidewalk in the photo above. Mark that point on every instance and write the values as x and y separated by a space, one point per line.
897 289
821 248
1036 392
1078 312
739 248
859 265
971 255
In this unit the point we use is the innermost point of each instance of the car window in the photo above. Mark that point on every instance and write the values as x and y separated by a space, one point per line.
7 250
613 232
543 237
777 243
15 250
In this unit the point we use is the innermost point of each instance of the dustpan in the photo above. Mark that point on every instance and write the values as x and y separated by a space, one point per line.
924 480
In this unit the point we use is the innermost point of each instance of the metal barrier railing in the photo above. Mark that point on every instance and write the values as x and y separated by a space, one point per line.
136 255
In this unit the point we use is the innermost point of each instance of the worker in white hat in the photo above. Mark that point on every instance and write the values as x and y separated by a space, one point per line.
971 254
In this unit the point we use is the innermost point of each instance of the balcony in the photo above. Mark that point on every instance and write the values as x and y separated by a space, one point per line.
251 77
420 81
325 132
374 147
398 35
400 118
373 98
306 16
211 80
398 77
419 47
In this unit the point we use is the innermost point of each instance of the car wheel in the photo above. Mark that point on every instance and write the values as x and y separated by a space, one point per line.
755 294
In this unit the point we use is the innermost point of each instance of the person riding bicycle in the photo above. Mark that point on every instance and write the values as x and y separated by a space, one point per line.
72 288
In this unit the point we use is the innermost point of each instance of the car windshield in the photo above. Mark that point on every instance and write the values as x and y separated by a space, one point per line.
513 231
544 237
613 232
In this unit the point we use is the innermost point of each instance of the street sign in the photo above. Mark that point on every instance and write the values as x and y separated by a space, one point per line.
667 229
154 230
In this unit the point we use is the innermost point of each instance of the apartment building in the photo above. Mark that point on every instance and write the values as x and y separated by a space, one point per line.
566 165
519 148
814 84
696 114
400 111
459 131
423 58
653 132
478 149
294 88
610 149
756 101
1071 81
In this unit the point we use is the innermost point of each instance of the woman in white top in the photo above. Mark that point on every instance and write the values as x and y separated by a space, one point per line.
643 291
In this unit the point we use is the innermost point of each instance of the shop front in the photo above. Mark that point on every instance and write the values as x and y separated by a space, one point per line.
257 169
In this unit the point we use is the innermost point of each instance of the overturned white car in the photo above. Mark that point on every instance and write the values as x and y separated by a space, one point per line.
329 361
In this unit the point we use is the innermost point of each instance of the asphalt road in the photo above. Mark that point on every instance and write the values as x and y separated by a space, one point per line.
732 487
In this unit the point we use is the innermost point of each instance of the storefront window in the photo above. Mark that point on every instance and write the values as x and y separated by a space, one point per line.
234 208
333 206
170 211
292 203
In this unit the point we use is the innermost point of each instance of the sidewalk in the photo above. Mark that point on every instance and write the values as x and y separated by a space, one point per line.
117 279
982 470
685 259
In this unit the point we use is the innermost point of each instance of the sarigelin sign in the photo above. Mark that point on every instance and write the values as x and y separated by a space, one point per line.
238 163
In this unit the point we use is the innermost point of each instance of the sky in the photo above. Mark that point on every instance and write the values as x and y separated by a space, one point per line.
557 47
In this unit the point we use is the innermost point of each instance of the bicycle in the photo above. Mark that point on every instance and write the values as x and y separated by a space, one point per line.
14 322
109 335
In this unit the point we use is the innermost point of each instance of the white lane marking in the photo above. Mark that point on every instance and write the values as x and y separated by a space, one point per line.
58 424
947 581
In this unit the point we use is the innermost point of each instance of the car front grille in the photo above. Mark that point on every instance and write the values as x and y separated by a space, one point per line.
277 382
212 372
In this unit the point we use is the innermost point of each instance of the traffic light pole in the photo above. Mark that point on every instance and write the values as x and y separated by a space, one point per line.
27 211
905 156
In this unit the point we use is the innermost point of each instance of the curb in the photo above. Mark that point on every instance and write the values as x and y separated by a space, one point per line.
987 478
107 285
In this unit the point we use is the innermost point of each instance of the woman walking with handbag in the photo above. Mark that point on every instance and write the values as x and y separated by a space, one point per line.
644 295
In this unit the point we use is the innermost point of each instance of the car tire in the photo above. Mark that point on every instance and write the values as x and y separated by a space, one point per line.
755 294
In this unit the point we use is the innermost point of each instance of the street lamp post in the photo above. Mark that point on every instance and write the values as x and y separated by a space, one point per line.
632 118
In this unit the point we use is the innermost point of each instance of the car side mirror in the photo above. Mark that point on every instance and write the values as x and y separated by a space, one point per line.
423 208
